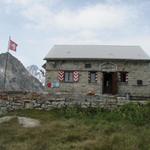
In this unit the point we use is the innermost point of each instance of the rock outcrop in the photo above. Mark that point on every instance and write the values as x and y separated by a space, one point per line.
17 78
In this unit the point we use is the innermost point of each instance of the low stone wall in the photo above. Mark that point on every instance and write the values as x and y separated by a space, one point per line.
25 100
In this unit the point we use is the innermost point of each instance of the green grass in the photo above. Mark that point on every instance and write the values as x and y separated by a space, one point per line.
127 128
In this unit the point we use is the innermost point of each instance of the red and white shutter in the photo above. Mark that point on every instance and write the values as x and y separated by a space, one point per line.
61 75
89 77
119 76
76 76
96 76
126 77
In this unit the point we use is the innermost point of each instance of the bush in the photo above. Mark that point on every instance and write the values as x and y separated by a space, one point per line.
136 113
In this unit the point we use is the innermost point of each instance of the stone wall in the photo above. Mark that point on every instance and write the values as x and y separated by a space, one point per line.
11 102
137 70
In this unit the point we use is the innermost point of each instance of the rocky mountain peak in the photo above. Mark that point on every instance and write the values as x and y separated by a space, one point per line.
37 73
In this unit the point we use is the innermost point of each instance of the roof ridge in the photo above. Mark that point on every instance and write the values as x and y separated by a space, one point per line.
95 45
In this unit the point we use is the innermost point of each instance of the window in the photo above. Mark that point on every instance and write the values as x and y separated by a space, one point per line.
123 77
139 82
68 76
87 65
92 77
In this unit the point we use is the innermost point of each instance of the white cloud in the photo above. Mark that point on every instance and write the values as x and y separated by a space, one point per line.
100 16
18 2
95 17
29 3
38 16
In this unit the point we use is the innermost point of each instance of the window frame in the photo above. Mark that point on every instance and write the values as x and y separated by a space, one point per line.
123 76
139 82
90 77
69 77
88 65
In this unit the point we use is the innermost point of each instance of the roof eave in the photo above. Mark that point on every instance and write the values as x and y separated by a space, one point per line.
96 59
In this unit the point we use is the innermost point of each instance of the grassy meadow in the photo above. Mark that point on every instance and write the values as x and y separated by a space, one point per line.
126 128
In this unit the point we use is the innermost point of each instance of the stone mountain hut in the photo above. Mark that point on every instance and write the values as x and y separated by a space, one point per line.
98 70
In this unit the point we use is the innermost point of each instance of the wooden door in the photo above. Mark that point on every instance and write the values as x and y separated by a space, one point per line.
107 83
114 83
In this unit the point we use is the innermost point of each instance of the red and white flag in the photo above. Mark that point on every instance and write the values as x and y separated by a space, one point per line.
12 45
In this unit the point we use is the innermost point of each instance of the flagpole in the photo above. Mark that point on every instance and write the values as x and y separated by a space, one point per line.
5 71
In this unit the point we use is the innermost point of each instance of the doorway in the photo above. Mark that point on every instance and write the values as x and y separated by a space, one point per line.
110 83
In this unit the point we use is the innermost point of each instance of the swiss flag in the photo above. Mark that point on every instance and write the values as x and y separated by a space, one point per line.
12 45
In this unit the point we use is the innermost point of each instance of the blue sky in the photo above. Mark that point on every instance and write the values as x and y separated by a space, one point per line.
36 25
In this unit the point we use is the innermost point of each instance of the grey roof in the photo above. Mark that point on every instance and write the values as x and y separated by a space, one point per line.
96 52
